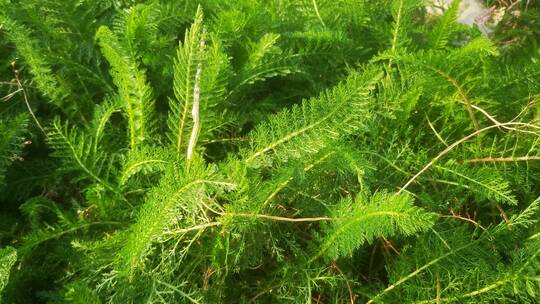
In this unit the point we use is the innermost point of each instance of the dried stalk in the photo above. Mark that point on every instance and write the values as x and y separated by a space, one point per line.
195 114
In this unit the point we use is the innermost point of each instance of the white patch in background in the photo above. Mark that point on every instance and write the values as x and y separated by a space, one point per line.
471 12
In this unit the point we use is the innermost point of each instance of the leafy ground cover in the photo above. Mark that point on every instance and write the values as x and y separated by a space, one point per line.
248 151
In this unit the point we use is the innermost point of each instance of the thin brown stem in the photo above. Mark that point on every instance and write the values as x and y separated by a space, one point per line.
283 219
452 146
459 217
503 214
20 88
258 216
501 159
460 91
351 294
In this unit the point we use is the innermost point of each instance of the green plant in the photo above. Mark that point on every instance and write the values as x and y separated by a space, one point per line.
264 152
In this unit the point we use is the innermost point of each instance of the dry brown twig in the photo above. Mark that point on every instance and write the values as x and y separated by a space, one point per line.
21 89
462 140
351 294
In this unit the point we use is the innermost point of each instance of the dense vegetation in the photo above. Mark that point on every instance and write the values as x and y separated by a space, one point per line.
328 151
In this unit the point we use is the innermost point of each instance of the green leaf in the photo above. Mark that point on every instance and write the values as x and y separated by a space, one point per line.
78 151
445 26
8 257
11 141
189 57
180 197
49 83
483 183
265 60
315 123
133 89
358 222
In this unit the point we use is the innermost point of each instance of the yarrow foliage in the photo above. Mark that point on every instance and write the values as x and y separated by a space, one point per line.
267 152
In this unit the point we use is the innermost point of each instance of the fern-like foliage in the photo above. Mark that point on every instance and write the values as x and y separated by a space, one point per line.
144 161
265 60
180 198
202 65
80 294
483 183
445 26
188 62
385 215
472 257
133 89
402 12
8 257
528 217
47 82
137 27
309 126
80 153
11 141
311 151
